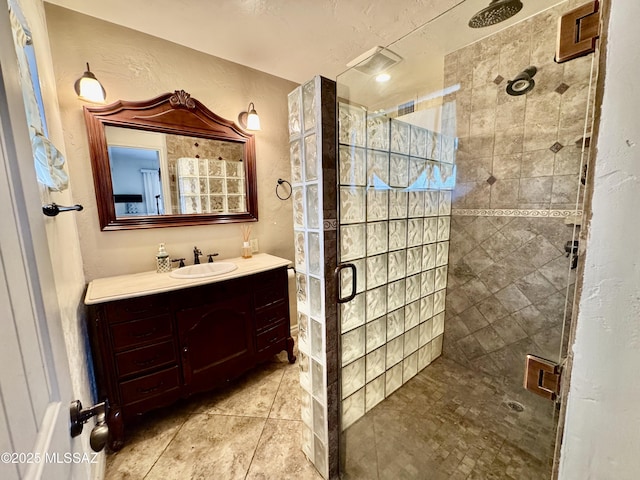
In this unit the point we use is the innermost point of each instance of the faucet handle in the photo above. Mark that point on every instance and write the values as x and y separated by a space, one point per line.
211 255
181 260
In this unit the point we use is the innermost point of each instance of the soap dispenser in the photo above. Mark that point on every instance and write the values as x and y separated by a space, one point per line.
162 260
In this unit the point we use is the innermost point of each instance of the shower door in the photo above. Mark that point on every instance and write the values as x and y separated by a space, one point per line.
459 194
394 220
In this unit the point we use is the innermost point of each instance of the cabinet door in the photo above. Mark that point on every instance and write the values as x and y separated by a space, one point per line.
216 341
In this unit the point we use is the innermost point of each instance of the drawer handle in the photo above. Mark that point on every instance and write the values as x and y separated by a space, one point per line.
144 363
152 389
144 335
274 340
139 308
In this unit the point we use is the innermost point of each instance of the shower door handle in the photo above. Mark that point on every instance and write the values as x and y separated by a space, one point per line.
354 282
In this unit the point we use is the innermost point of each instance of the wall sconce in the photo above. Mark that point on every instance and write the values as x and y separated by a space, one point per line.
249 120
88 88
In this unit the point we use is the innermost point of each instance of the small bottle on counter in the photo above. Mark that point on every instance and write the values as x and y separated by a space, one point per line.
163 264
246 250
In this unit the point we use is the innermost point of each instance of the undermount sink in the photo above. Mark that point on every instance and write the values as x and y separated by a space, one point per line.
204 270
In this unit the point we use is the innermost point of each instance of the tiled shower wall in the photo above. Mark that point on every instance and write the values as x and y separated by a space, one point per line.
519 152
508 280
394 214
520 165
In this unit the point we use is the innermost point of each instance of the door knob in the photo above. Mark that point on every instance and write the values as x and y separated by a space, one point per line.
99 436
80 416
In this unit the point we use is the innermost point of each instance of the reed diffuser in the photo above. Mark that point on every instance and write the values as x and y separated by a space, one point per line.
246 244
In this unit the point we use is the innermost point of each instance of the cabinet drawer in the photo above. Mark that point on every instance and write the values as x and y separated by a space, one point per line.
267 317
135 308
149 386
270 287
140 332
274 335
145 358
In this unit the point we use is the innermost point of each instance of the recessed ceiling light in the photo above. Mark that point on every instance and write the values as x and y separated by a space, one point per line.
383 77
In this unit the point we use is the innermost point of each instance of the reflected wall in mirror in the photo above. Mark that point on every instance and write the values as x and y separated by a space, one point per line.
156 174
169 161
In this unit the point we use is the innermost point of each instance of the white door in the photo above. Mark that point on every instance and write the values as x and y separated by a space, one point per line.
35 384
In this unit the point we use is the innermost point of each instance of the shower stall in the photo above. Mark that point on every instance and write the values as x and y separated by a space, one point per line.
437 213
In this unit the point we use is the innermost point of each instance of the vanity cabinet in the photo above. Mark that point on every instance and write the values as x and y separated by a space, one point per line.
151 350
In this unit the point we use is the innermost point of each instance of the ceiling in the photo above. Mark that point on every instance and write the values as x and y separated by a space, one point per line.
292 39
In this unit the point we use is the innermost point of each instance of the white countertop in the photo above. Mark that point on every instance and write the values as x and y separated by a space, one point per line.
138 284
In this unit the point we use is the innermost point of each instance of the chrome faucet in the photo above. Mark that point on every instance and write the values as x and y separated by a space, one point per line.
196 255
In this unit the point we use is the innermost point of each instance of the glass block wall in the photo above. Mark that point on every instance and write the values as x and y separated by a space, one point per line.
385 198
211 185
395 182
312 133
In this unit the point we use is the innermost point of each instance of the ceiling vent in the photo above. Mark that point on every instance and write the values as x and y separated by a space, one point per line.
406 108
375 61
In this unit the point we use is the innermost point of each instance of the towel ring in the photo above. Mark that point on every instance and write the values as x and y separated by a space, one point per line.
280 182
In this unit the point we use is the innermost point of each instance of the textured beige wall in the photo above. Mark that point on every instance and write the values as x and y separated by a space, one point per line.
135 66
602 429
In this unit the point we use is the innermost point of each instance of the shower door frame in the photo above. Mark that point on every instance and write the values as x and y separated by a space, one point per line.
573 292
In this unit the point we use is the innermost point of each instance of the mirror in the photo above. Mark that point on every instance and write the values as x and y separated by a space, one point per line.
169 161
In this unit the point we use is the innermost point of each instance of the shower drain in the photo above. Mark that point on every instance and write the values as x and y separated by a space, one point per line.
515 406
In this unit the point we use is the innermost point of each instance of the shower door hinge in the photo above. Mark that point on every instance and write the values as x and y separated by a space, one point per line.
578 31
542 377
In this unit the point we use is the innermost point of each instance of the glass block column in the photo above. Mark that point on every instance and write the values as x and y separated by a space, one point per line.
312 136
395 182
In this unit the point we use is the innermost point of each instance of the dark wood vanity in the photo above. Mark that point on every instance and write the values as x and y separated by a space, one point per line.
154 349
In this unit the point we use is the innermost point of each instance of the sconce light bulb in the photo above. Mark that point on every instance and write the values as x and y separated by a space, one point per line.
253 121
249 120
88 88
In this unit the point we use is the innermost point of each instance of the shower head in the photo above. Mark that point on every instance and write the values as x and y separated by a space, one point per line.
497 11
523 82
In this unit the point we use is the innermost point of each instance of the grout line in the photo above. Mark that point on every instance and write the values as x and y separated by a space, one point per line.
375 446
264 426
276 395
228 415
167 446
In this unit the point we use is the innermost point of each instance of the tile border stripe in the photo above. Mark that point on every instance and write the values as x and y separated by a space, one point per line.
514 212
330 225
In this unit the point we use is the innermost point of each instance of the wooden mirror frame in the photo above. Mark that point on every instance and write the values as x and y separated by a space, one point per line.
172 113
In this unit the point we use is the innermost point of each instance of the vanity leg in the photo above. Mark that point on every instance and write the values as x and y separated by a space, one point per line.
290 356
116 429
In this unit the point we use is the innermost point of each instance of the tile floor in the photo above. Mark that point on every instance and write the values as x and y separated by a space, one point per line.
448 422
452 423
250 430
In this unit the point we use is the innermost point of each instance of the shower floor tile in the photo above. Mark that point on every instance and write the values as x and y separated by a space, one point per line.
452 423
